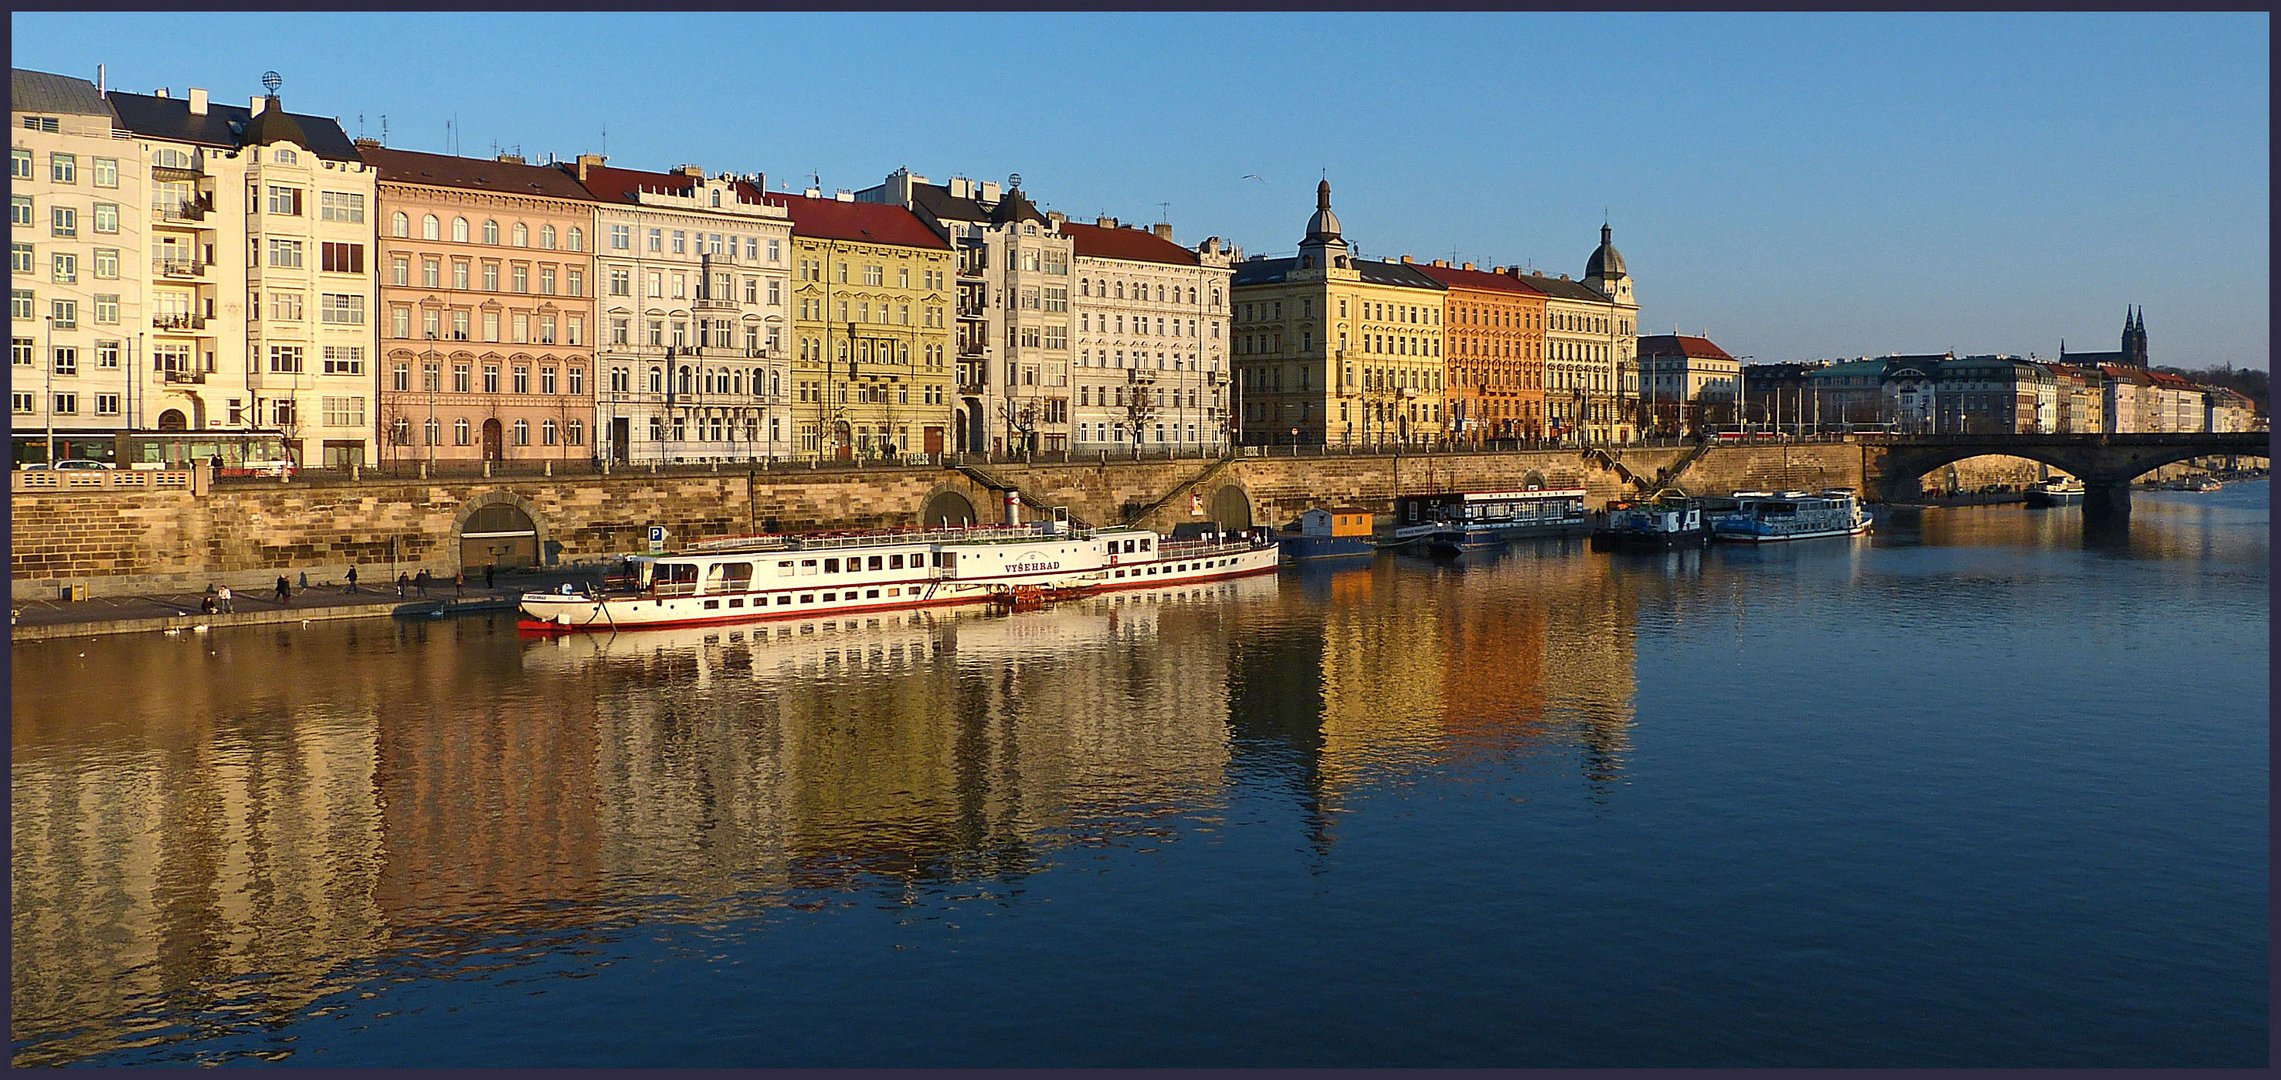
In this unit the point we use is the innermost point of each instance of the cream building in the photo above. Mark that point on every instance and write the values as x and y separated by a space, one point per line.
693 295
78 268
1591 342
1151 367
1330 349
262 296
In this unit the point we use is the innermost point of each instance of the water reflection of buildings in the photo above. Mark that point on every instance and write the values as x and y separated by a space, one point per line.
911 744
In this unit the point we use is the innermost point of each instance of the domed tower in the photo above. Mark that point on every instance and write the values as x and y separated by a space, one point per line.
1605 269
1324 251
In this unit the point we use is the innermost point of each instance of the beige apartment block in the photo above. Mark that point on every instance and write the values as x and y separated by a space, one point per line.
695 306
1332 349
261 293
487 323
78 247
1152 317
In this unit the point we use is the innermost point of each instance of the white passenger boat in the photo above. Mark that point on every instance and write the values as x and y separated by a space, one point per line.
1761 517
805 576
2055 491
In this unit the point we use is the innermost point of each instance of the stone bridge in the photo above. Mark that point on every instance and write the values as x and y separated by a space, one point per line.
1893 466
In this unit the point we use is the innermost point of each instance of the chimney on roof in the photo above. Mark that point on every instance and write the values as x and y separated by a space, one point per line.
814 193
1406 261
198 102
843 195
255 105
1469 266
989 193
690 171
960 187
363 142
511 159
1162 229
589 161
1563 277
159 93
1056 217
1106 223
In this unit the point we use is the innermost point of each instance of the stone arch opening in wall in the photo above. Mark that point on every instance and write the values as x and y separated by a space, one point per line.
173 420
947 508
1533 481
1230 508
499 528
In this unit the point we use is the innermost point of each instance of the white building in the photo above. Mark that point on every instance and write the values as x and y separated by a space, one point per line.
693 277
261 293
1151 367
77 268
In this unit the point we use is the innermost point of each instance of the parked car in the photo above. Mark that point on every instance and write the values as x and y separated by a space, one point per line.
82 463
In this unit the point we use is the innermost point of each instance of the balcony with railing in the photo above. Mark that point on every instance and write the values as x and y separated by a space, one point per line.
183 210
177 320
970 378
177 267
181 376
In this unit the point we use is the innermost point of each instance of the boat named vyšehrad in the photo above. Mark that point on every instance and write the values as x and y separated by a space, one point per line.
802 575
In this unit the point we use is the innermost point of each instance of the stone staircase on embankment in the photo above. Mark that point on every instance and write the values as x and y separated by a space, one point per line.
1179 490
999 485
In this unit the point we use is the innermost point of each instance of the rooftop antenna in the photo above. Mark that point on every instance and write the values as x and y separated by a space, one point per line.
383 129
360 125
605 140
99 83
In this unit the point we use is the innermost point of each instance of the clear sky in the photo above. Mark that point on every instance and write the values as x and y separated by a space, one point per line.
1796 185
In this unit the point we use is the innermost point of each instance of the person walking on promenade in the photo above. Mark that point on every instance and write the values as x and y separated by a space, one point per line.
459 583
421 582
490 574
224 599
284 590
403 582
352 578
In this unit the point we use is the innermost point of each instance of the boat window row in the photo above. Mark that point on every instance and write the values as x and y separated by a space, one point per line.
1128 547
854 564
790 600
1173 568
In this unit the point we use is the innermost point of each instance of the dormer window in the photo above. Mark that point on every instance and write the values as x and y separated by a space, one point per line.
285 157
716 196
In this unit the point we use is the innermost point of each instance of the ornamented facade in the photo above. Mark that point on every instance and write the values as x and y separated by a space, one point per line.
1151 367
1687 383
1331 349
487 309
692 294
871 295
1495 347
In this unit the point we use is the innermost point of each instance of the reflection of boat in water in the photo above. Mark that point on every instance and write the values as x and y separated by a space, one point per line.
2204 484
2055 491
1762 517
798 577
1449 522
899 637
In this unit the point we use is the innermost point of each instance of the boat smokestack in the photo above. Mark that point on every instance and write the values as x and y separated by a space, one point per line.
1013 507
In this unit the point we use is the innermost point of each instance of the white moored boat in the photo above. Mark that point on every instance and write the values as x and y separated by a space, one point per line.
1762 517
803 576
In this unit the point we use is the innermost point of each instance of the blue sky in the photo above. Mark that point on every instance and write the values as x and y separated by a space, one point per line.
1796 185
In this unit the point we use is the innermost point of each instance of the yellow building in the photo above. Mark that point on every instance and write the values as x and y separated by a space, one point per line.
1335 350
871 298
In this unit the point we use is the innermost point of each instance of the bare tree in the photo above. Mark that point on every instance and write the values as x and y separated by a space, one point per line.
1140 410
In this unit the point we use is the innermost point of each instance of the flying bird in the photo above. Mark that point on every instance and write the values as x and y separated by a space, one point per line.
1253 176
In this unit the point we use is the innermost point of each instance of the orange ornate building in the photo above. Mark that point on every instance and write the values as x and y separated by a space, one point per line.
1494 351
486 319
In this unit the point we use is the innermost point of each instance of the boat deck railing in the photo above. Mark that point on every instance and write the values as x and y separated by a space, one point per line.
735 545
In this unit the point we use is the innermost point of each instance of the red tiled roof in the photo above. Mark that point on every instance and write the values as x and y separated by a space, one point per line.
1680 345
1458 277
1138 245
480 174
862 222
625 185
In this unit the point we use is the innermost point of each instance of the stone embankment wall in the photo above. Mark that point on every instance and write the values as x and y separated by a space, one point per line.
127 542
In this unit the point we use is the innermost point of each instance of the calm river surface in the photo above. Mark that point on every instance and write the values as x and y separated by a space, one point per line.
1980 790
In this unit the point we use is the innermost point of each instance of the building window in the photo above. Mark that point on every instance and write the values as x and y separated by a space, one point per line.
347 360
546 237
107 309
461 433
19 210
63 221
574 433
65 267
344 206
490 378
342 258
522 433
64 312
106 217
67 404
285 359
547 432
63 168
19 164
285 201
64 359
284 307
285 253
460 378
575 239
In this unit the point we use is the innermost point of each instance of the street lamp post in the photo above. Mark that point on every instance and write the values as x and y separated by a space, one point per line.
48 406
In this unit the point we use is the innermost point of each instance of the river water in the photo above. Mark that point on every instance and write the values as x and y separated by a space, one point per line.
1979 790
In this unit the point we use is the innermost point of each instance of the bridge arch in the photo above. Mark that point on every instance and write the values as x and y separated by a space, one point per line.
1229 507
2112 460
499 526
947 505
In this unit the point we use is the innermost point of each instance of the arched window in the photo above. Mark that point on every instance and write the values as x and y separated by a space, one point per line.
433 430
460 432
490 231
1084 287
459 230
546 237
522 235
547 432
577 239
522 433
684 380
656 381
400 224
430 228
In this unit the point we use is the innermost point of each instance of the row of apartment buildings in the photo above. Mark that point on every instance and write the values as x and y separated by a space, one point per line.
1690 384
181 264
